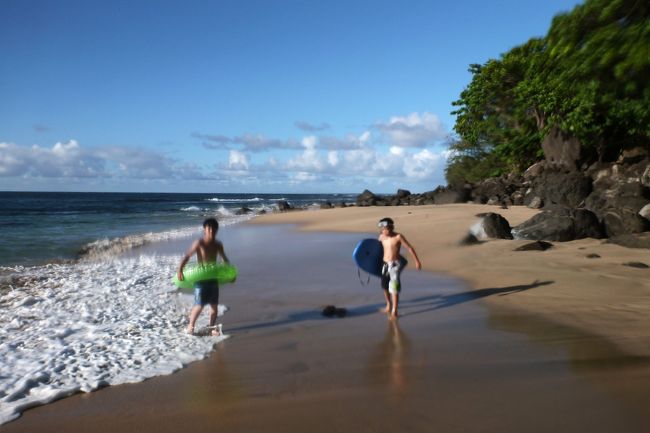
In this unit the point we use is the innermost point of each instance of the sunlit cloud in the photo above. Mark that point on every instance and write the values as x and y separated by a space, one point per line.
414 130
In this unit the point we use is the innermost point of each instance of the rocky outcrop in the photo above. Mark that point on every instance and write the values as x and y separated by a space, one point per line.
284 206
244 211
619 195
634 240
561 150
603 200
560 225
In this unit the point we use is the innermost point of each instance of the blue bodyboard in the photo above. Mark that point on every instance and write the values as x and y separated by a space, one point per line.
369 255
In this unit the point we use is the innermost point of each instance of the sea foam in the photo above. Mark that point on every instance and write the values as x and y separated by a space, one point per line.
66 328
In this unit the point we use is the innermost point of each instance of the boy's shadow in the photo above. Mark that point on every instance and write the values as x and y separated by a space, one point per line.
424 304
309 315
437 302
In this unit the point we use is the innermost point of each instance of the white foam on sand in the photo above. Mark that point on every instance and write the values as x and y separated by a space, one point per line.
66 328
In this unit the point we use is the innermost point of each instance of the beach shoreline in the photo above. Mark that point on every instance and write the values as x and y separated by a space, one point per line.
584 284
438 367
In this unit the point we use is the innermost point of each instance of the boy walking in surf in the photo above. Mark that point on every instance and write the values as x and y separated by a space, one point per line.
390 273
207 250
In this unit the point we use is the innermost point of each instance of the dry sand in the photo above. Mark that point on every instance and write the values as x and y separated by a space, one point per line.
599 295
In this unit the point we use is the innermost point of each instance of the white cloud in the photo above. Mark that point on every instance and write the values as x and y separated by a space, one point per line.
308 160
423 165
71 160
333 158
137 163
414 130
303 176
237 160
62 160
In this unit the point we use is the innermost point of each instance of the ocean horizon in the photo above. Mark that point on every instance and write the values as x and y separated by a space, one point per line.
50 227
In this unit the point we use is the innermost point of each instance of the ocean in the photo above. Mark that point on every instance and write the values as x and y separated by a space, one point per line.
42 227
77 312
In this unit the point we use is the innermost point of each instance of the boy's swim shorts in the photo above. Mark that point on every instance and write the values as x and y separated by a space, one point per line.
390 273
206 292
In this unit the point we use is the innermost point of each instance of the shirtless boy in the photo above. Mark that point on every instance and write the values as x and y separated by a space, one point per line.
390 282
207 250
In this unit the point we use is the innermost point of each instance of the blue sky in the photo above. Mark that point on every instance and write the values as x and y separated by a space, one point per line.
242 96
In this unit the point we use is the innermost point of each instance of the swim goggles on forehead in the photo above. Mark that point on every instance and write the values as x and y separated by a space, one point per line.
383 224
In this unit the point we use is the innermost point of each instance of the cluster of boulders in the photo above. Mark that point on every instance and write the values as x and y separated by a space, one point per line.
603 200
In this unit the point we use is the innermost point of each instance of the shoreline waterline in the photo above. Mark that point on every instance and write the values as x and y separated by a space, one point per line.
448 363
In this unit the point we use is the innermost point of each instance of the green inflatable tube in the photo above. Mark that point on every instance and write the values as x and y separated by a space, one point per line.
192 273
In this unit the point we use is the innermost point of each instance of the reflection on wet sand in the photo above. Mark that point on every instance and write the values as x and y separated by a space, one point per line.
600 360
390 360
211 386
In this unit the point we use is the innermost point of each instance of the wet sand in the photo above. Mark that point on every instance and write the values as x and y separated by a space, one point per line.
449 364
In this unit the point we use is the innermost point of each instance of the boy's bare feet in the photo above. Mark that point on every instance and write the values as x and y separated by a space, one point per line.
387 309
215 333
190 330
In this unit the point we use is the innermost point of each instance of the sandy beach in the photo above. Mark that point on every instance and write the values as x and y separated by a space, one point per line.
488 340
599 295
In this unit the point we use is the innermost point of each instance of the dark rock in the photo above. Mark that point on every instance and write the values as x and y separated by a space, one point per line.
326 205
561 150
284 206
635 240
618 203
366 198
329 311
536 203
619 194
489 188
560 225
645 177
639 265
586 224
341 204
496 226
645 212
448 195
560 188
403 193
535 246
624 221
244 211
593 256
517 198
632 156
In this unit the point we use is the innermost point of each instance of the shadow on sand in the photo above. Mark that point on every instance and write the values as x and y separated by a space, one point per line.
309 315
436 302
422 304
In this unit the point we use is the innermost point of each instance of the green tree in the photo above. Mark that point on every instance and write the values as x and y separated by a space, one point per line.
587 78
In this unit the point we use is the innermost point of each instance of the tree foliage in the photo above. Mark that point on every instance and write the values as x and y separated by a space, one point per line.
588 77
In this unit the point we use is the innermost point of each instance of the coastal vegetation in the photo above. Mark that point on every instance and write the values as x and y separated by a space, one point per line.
577 96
